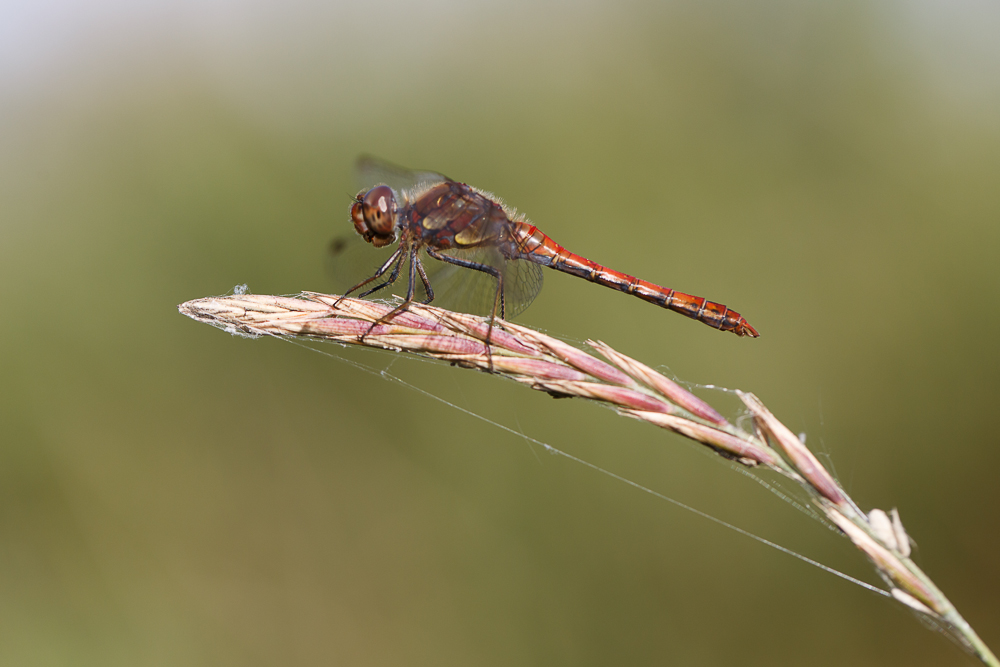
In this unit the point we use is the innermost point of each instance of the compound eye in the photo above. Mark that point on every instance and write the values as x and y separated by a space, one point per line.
379 209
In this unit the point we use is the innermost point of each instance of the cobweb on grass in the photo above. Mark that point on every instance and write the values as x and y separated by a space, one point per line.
384 373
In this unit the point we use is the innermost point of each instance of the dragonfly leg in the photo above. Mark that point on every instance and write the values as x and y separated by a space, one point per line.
476 266
498 300
423 278
414 263
396 256
392 278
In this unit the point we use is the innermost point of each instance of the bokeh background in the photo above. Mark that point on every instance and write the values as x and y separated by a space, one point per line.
171 495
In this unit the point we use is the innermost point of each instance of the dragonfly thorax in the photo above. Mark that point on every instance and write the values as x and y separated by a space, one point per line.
374 215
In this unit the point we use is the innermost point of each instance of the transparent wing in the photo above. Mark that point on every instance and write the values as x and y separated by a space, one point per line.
471 291
372 171
463 289
350 260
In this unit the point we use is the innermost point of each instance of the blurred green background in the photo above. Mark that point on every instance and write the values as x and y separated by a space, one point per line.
173 495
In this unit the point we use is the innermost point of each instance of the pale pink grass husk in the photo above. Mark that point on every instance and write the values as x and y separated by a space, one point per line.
633 389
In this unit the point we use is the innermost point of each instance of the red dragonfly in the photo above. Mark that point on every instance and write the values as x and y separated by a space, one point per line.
430 215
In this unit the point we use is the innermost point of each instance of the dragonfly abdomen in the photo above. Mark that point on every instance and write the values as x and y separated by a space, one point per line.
535 246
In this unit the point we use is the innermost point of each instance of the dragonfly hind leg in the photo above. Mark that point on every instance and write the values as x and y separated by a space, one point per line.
498 300
485 268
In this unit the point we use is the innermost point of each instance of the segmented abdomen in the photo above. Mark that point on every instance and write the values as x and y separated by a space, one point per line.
532 245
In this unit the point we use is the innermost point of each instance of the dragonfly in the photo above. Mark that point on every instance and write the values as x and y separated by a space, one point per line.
482 247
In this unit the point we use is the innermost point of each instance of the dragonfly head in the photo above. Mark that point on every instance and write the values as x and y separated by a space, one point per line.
374 215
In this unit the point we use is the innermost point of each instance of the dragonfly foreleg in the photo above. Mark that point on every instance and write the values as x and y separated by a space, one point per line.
390 280
396 257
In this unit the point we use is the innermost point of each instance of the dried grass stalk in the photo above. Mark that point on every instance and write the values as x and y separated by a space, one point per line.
632 388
